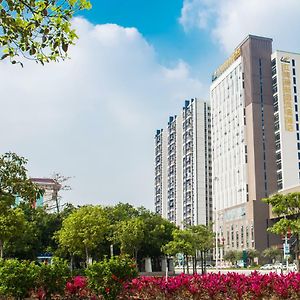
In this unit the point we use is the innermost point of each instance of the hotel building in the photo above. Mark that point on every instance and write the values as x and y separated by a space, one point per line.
183 167
286 97
243 145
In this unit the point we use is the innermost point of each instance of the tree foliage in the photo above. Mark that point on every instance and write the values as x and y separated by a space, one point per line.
83 230
14 182
233 256
273 253
287 209
130 234
38 29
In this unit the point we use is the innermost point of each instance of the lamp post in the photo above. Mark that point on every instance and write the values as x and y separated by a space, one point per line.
216 224
217 240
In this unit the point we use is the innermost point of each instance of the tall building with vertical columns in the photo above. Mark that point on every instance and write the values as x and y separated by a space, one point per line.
286 97
243 144
183 166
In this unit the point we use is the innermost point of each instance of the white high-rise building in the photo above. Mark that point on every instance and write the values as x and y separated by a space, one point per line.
243 146
183 166
286 97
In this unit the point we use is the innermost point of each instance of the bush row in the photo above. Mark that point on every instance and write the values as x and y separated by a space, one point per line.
231 286
21 279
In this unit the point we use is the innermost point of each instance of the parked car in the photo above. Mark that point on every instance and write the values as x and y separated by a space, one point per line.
267 267
292 267
277 266
209 266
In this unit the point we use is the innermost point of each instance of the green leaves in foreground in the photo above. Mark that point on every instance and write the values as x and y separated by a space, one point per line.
37 29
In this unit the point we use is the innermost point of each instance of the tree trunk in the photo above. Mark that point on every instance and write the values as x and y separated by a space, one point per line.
193 263
87 256
297 252
202 264
1 249
71 263
187 265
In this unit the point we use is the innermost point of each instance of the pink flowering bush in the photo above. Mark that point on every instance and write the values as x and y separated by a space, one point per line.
77 288
231 286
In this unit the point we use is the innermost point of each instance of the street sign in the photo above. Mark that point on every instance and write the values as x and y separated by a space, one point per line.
286 249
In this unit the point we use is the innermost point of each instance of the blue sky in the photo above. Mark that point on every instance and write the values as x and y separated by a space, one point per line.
94 116
158 22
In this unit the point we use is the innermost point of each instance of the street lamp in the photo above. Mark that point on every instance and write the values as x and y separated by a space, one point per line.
217 241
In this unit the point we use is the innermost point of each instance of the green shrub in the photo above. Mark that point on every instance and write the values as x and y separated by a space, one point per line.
52 278
107 277
17 278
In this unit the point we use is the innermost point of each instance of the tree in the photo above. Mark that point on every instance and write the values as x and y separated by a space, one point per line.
130 234
287 209
203 240
251 254
83 230
14 182
37 234
157 232
233 256
273 253
60 185
12 223
182 243
37 29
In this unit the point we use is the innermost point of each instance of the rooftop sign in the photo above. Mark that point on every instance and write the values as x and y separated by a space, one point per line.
235 55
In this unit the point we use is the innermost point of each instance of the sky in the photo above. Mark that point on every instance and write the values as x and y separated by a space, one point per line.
94 116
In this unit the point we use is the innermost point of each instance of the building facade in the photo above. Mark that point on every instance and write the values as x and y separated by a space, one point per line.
49 200
243 145
285 88
183 167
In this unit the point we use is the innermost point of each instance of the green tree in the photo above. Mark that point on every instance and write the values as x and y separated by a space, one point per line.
12 224
157 232
233 256
130 234
203 241
37 29
182 243
273 253
14 182
287 209
83 230
37 234
251 254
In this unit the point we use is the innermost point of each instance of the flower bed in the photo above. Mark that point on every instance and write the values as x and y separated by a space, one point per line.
231 286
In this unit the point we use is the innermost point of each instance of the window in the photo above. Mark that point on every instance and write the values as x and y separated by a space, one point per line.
278 164
277 145
279 176
294 71
293 62
295 90
294 80
296 108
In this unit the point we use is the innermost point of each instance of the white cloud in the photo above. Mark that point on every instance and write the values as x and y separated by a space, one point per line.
95 115
229 21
